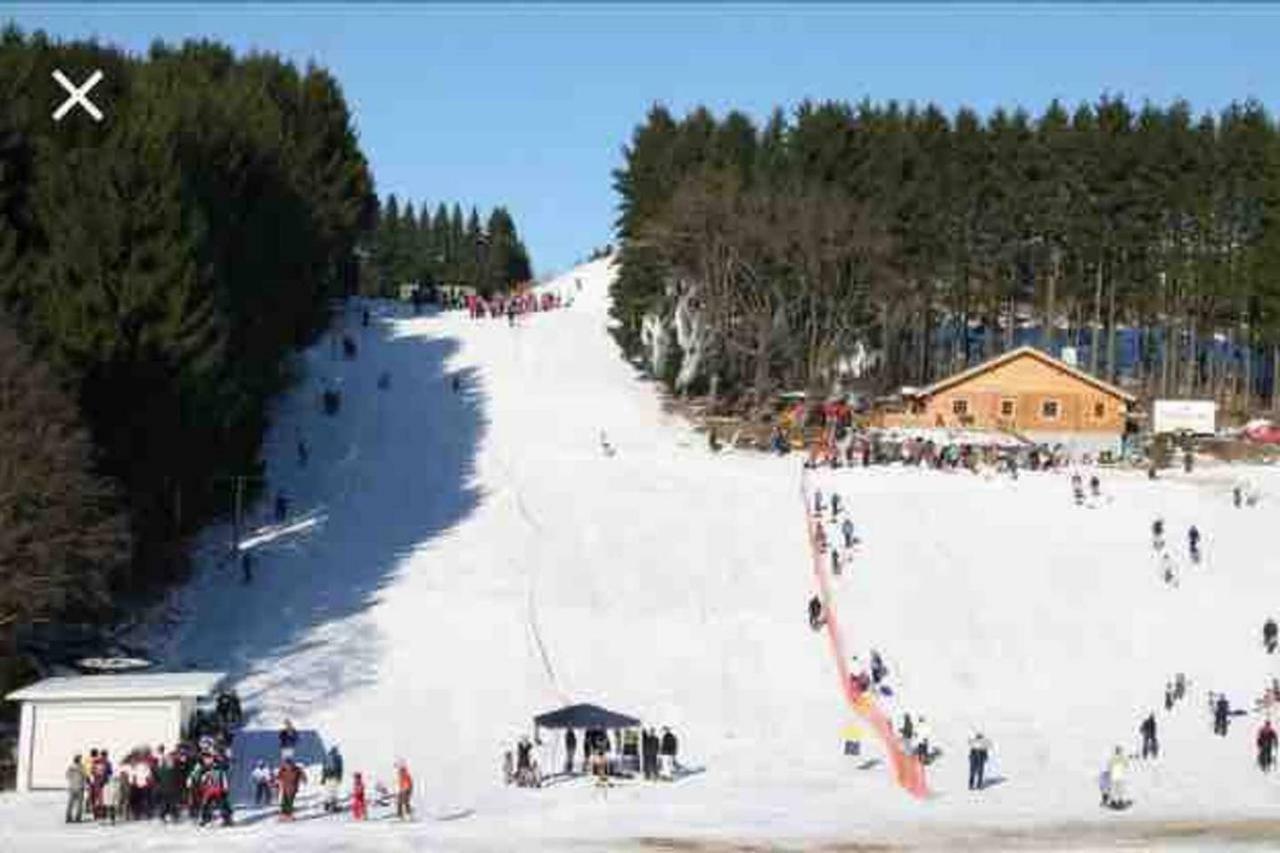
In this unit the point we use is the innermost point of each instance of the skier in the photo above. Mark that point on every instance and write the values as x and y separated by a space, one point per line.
404 791
1150 748
457 383
846 528
1180 686
303 454
1266 747
1269 631
835 506
979 751
1077 489
907 731
820 537
359 805
1167 572
331 778
364 318
605 445
290 777
1168 695
1095 487
288 738
878 669
1221 716
246 567
1237 494
1117 778
1193 543
815 613
817 501
922 741
282 507
1157 534
835 561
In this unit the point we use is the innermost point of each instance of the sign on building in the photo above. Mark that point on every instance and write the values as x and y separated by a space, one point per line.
1194 416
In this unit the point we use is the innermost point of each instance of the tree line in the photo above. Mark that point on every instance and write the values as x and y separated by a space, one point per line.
157 271
903 243
442 249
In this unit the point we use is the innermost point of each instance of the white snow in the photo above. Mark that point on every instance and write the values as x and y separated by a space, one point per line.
457 563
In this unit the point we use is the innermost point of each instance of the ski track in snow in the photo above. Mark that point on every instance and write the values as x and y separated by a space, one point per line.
475 560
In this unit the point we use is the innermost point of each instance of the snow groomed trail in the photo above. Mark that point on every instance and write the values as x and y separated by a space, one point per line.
908 770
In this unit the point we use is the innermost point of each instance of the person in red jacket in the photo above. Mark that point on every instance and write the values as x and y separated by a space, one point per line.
289 777
359 806
404 791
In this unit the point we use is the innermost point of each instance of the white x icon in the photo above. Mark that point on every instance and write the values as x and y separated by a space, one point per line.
78 95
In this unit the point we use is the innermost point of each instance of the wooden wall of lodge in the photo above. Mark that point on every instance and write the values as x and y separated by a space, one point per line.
1028 384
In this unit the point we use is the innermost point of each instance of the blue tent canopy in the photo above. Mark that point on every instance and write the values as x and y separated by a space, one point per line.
584 716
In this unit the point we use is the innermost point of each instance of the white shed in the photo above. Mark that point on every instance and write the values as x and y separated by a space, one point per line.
65 716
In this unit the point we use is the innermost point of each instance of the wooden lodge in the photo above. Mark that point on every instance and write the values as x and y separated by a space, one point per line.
1024 392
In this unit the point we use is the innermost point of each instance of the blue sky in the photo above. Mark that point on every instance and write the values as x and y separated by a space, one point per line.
529 106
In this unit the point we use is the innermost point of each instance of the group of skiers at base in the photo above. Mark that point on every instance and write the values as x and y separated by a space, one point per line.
630 752
151 783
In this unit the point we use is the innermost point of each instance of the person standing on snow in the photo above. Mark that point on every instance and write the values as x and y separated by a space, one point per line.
979 751
815 613
1193 543
1157 534
1150 748
404 791
923 731
1266 747
1221 716
846 529
835 506
261 784
290 777
667 750
288 740
1269 632
1077 489
1117 780
1168 695
1095 486
908 732
359 801
282 506
331 778
77 781
835 561
878 669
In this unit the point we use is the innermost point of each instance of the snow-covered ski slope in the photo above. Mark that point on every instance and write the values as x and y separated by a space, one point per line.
471 559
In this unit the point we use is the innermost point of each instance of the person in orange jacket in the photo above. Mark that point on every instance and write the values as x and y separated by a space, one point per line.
359 807
404 791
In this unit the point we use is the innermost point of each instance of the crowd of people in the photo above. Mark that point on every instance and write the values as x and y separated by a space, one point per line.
512 305
630 752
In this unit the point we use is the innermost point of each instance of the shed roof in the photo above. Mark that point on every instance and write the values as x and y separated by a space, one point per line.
158 685
585 716
1005 358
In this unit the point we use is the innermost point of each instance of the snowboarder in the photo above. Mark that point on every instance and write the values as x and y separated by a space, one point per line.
979 751
1157 534
1221 716
1193 543
1150 748
846 528
1095 487
1269 631
1266 747
815 613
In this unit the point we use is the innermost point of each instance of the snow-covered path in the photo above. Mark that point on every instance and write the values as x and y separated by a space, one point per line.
475 559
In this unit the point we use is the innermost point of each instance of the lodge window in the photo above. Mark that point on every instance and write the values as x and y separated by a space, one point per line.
1099 410
960 407
1049 410
1006 408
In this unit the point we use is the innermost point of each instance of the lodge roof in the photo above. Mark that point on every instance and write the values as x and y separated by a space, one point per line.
159 685
1032 352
